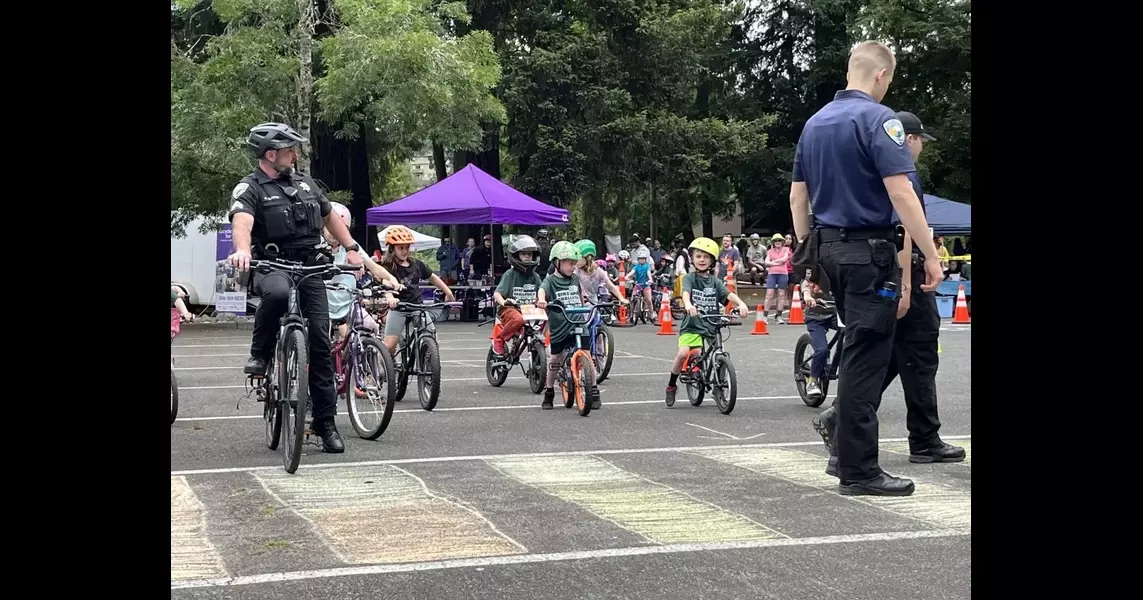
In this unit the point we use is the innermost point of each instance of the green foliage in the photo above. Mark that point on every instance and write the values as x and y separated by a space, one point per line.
388 67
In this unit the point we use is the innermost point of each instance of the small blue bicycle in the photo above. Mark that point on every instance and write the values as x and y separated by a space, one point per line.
577 374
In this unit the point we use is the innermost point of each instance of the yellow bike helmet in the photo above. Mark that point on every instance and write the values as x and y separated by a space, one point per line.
707 245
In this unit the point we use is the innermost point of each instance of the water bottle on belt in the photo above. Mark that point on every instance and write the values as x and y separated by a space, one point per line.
888 290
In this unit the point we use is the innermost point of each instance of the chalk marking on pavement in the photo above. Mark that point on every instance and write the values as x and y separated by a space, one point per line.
243 354
193 556
779 350
477 408
903 448
660 514
521 559
488 457
247 345
386 515
733 437
932 503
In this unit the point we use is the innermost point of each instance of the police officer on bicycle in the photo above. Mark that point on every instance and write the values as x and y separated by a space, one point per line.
851 169
277 213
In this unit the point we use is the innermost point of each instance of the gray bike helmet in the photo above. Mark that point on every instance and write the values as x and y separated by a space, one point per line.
524 243
272 136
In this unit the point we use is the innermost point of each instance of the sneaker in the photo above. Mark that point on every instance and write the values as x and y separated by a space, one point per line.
812 389
549 395
671 395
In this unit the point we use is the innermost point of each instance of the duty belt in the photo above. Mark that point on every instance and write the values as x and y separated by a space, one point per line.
837 234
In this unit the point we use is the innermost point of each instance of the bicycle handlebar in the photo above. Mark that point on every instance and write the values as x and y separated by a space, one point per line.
296 268
366 292
408 306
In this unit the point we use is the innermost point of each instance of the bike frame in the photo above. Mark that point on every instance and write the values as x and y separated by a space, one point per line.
712 346
356 328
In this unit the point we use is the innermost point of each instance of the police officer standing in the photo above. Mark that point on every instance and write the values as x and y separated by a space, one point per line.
278 213
851 168
915 356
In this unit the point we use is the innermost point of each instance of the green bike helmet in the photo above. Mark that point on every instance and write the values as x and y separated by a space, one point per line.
564 250
585 247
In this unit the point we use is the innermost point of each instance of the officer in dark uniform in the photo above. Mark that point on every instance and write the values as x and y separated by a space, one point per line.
851 169
278 213
915 356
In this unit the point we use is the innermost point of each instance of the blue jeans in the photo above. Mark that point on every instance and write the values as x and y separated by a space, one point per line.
818 331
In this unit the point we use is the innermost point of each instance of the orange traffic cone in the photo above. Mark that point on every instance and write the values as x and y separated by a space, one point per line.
960 314
666 324
796 316
759 323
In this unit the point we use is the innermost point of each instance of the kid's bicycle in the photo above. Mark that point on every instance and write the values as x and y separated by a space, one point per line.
363 368
710 369
419 353
803 358
530 338
577 376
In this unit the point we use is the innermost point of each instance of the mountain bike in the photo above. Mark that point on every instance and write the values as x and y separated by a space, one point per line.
576 376
639 310
363 367
803 358
529 337
287 402
419 353
710 369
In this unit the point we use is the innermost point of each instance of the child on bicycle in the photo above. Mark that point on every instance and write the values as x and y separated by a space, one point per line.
517 287
641 276
341 301
409 272
179 312
821 317
703 293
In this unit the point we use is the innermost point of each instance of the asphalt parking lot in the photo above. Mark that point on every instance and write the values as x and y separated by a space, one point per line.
490 497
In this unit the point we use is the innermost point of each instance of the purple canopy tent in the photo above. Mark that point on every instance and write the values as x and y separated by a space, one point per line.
468 197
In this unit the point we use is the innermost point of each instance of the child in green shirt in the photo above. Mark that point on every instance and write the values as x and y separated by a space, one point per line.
563 286
518 286
703 293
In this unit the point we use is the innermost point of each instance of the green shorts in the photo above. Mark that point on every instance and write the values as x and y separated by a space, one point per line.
690 339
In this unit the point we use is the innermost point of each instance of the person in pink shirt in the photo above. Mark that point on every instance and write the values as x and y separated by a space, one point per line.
778 277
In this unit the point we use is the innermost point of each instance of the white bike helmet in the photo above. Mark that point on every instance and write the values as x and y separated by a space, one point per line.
624 255
343 211
642 252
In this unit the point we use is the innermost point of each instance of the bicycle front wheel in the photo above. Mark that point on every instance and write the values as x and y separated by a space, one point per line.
583 372
369 392
296 397
429 366
725 388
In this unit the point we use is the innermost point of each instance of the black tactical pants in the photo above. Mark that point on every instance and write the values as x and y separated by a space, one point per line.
857 269
274 289
915 360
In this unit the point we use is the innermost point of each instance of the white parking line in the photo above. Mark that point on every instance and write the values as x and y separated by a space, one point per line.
468 563
496 457
498 407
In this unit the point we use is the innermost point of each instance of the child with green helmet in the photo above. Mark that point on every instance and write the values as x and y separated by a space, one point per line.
591 277
562 285
703 293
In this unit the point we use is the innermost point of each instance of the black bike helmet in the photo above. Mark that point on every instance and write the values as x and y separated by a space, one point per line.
272 136
524 243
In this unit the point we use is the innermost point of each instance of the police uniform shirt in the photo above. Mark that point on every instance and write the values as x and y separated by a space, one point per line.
845 151
293 224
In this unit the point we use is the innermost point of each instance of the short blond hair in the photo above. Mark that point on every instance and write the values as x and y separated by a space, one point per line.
869 57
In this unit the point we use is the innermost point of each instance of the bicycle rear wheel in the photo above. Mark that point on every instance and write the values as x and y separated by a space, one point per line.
296 396
725 386
174 396
803 354
271 407
696 382
372 372
429 365
583 372
496 375
608 351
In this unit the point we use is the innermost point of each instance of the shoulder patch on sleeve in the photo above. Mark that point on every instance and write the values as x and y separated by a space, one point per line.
895 131
239 190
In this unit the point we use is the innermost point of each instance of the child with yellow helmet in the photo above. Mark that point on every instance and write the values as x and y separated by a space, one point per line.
703 293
